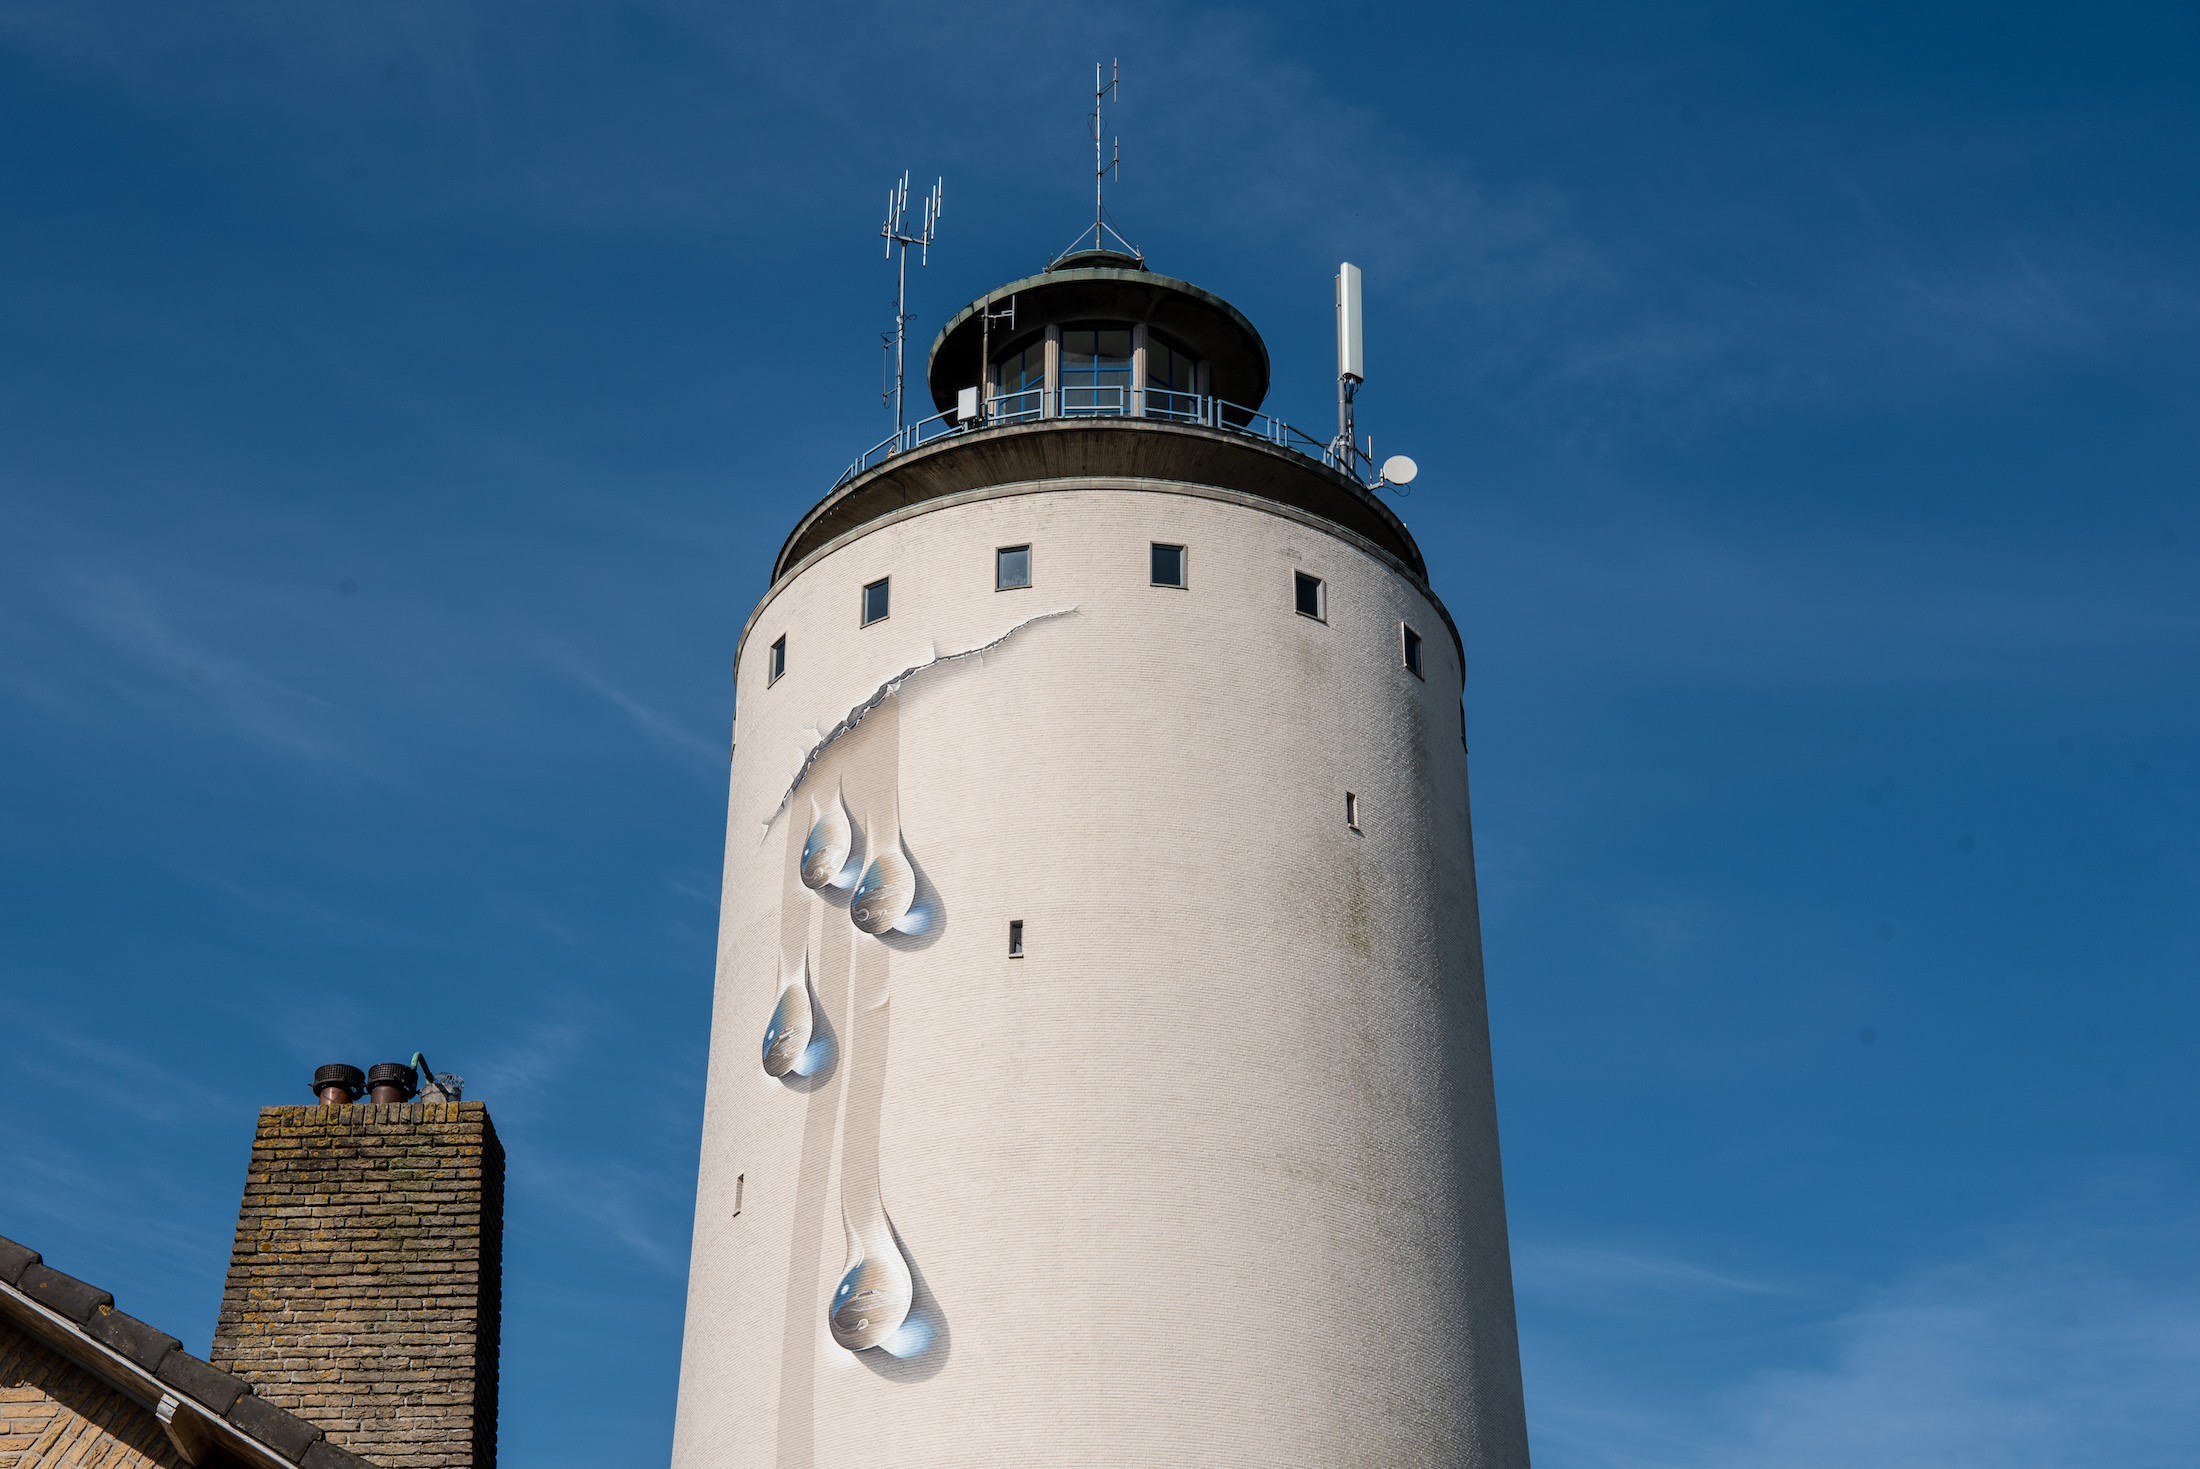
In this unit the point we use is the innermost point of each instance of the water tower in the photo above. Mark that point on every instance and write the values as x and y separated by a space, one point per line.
1099 1068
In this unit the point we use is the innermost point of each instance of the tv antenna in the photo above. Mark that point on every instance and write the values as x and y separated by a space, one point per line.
986 317
1104 162
896 342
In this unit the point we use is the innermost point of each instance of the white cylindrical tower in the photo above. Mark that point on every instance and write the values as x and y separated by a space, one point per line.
1099 1066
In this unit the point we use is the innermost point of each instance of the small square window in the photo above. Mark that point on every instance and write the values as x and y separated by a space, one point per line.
1168 565
1351 810
1413 650
779 660
1011 568
875 601
1308 591
1016 938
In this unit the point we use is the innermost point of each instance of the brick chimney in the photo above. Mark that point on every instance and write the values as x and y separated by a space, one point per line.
365 1283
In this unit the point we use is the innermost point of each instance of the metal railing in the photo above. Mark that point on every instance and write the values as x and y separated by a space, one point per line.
1023 407
1031 405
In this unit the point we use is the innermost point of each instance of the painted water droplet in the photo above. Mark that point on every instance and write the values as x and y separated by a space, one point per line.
788 1034
889 886
874 1295
832 838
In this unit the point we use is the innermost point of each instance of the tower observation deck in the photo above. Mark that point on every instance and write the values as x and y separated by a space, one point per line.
1100 1069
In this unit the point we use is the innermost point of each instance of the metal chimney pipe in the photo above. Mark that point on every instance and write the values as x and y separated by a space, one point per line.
391 1081
337 1085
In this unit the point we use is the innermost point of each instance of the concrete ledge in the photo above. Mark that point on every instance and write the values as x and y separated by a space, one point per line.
1102 448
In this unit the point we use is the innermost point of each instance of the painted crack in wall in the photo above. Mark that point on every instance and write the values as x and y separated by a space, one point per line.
880 695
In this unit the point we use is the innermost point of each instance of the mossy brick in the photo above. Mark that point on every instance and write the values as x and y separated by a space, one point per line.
364 1282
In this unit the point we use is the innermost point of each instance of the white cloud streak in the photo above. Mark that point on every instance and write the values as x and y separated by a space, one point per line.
1835 286
2058 1348
1598 1272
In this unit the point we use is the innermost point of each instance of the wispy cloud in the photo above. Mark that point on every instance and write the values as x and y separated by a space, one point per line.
62 1208
1830 607
1831 288
2058 1348
1601 1273
148 654
517 1072
2044 1354
638 1208
1826 286
661 727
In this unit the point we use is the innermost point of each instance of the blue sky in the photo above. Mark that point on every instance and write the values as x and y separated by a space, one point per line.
401 405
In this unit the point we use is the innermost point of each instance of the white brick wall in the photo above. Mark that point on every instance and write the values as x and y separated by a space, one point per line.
1210 1176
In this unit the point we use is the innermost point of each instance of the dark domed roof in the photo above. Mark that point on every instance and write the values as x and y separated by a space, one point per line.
1207 326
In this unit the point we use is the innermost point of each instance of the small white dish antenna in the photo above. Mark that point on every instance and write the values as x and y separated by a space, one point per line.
1399 470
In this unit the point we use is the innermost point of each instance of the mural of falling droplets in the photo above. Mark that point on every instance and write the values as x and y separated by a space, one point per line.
788 1034
889 886
832 838
876 1290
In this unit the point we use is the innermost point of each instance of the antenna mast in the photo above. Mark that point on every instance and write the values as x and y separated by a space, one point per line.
896 342
1101 165
1104 162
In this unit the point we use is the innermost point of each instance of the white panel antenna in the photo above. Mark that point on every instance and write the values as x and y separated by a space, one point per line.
1351 357
1346 453
1351 366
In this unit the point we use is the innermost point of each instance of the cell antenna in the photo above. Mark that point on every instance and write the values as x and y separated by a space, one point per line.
1107 158
1351 359
896 342
1344 451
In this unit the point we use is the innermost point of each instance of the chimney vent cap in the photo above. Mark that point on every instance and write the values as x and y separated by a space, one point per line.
350 1078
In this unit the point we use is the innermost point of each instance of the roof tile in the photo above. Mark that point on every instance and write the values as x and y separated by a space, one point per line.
14 1259
142 1344
203 1384
322 1454
286 1433
63 1293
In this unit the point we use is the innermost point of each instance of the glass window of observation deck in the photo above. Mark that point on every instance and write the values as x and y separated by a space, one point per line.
1168 367
1096 370
1023 369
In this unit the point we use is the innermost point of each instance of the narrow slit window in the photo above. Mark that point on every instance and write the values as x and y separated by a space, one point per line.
740 1185
1308 591
1011 568
779 660
1168 565
1015 938
1413 651
875 601
1351 810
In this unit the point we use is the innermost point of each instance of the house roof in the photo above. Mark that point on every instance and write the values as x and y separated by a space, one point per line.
210 1415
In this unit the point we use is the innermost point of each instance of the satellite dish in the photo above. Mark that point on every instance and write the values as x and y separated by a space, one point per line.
1400 470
